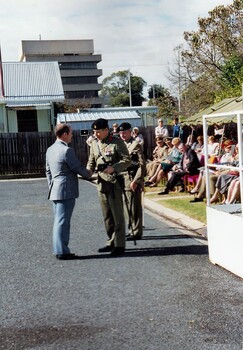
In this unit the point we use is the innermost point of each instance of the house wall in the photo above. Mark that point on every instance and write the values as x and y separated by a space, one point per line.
2 118
11 122
44 120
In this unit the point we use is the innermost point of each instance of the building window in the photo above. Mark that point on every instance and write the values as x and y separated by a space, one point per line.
77 65
80 94
27 120
79 80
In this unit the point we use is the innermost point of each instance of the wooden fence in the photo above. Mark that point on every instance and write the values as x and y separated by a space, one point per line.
23 154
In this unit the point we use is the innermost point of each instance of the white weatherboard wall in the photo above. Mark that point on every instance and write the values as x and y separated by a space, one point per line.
44 120
12 121
225 237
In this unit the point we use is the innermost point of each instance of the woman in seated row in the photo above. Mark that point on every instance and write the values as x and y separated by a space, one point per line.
160 153
213 151
233 194
188 165
174 157
196 144
225 177
218 177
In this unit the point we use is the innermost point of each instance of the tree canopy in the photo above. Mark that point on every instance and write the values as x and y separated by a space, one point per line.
116 89
210 66
161 97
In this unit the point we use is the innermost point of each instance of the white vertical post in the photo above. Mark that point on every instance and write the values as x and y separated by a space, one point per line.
129 86
153 92
205 140
239 131
178 48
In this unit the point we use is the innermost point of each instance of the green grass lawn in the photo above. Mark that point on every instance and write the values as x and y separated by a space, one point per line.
179 202
195 211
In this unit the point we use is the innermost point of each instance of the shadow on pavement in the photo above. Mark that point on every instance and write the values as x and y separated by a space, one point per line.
137 252
182 236
185 235
30 337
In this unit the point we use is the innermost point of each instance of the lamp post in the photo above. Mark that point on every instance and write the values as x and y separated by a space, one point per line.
178 48
129 87
153 91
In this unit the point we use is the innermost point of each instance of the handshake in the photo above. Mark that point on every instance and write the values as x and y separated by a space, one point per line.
101 167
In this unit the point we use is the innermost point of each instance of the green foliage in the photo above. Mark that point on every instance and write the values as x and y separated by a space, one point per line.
71 108
198 94
120 100
161 97
231 78
211 60
232 72
116 89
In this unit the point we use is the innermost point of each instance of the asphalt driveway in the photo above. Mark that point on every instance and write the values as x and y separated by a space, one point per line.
163 294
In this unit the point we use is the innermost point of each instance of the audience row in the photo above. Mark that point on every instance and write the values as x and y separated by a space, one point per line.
174 161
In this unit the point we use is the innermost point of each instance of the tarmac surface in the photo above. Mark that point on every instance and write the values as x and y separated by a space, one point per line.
175 217
163 294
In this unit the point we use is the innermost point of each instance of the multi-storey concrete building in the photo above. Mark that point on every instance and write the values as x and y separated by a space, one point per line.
78 67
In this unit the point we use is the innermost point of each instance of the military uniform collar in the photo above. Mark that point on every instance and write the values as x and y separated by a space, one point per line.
131 140
107 139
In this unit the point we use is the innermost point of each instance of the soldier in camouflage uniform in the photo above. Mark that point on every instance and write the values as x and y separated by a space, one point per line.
109 156
133 181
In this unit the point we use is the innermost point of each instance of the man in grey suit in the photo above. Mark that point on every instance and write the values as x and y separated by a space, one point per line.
62 167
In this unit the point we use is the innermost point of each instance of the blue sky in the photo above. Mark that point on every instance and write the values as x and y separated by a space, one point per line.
137 34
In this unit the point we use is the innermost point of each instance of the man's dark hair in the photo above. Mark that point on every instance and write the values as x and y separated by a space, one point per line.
61 129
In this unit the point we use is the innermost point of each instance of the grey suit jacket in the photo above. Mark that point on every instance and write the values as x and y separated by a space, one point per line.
62 167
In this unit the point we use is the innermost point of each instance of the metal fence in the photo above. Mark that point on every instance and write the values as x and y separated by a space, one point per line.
23 154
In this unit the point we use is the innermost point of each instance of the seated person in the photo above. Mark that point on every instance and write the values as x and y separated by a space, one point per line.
199 147
225 177
191 141
174 157
214 174
115 131
226 157
188 165
138 136
159 154
222 185
233 194
213 146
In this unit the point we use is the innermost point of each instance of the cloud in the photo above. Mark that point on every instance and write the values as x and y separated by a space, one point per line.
139 34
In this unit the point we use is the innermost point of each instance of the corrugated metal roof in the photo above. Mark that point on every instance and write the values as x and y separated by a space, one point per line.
34 81
84 120
29 104
89 116
139 109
